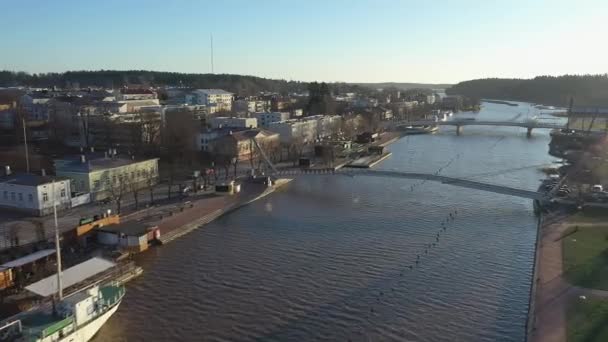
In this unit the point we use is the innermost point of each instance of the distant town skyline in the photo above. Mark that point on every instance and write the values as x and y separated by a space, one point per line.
333 41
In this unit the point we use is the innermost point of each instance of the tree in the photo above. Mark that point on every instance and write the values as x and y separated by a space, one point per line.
134 187
118 188
150 184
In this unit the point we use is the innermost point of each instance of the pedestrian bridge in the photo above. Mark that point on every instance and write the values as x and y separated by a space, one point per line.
460 123
461 182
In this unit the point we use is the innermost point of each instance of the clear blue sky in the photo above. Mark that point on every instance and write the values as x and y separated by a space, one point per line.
329 40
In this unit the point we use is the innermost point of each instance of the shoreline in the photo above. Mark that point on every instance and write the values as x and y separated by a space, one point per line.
531 320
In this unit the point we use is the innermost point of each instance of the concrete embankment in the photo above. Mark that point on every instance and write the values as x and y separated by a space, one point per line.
203 213
368 161
531 322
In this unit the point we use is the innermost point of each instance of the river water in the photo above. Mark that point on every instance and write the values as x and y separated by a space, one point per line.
328 258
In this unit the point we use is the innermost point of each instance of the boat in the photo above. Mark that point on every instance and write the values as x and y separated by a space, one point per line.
75 318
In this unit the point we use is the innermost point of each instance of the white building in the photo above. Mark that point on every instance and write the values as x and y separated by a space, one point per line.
307 129
266 118
33 194
327 125
211 97
295 130
222 121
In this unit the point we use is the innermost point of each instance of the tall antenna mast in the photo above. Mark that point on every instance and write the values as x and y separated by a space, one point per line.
211 36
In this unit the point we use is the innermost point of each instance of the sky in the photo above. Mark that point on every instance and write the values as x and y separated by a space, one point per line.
435 41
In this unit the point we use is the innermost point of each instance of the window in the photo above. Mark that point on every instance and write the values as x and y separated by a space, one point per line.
45 197
96 184
62 194
30 198
132 174
20 197
6 195
12 196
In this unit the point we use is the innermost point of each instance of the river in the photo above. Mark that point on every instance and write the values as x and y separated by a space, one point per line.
328 258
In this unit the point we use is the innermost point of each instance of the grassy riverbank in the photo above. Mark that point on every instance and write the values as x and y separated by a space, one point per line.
586 257
587 320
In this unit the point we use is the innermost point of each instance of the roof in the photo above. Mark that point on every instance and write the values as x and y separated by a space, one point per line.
70 276
130 228
249 134
136 91
29 179
94 162
214 91
28 258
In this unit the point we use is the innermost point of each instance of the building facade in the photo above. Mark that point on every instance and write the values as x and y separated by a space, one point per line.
33 194
218 98
239 144
266 118
221 121
105 176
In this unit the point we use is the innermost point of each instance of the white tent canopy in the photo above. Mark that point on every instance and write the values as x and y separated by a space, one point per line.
70 276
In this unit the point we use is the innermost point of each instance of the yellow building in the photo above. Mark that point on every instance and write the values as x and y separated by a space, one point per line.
107 175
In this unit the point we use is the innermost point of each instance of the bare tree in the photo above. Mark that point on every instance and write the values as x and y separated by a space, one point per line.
135 188
118 188
150 185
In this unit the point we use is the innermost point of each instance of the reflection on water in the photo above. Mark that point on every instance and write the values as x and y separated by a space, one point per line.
339 258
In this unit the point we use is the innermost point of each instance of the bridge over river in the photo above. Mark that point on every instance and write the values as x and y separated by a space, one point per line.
460 123
461 182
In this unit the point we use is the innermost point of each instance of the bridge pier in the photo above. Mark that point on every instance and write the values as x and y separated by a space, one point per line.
458 130
529 132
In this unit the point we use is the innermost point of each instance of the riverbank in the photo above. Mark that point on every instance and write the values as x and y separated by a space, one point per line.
561 255
204 211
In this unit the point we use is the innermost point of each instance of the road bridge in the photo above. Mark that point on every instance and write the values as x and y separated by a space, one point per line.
460 123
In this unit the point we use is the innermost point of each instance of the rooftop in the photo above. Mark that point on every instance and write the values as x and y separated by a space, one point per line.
29 179
136 91
70 276
250 134
93 162
214 91
130 228
28 258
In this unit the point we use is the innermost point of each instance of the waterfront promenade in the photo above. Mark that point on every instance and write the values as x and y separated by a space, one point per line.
553 294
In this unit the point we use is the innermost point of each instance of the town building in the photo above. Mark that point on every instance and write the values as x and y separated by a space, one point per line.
239 144
131 236
266 118
222 121
130 94
250 106
293 130
33 194
307 129
206 136
218 98
105 175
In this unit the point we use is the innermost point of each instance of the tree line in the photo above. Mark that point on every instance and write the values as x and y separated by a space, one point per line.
238 84
586 90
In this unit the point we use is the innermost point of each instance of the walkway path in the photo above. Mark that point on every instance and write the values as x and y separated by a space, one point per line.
553 292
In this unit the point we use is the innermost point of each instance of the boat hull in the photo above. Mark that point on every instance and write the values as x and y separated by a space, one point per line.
86 332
